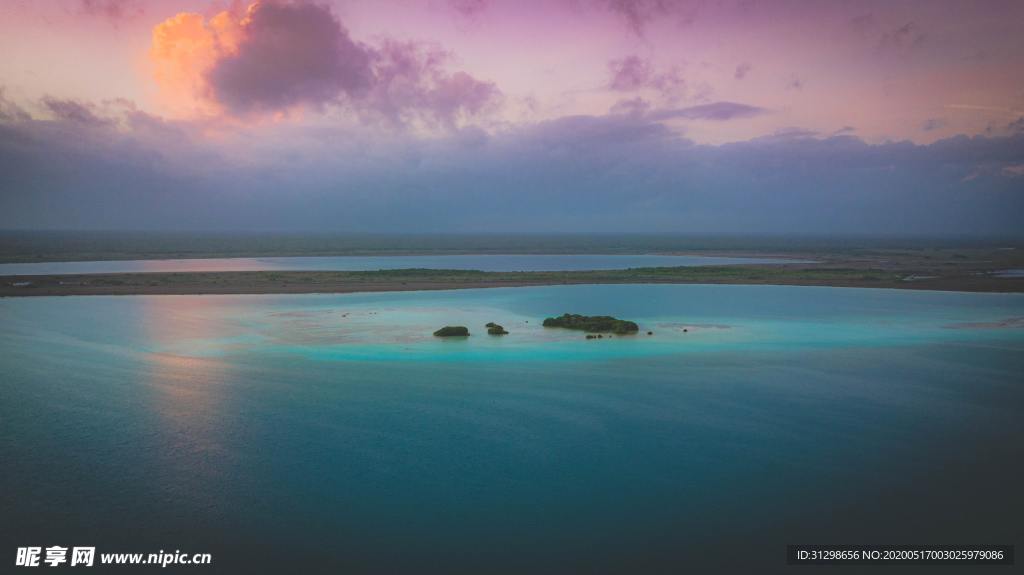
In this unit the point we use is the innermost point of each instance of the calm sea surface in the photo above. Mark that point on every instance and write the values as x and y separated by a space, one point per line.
335 431
490 263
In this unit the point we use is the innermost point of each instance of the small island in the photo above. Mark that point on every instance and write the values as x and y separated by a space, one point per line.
592 323
452 331
495 329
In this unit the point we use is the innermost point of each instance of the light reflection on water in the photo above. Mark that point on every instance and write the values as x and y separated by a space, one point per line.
187 398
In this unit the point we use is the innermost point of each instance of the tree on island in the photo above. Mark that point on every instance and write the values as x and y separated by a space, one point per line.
595 323
452 331
495 329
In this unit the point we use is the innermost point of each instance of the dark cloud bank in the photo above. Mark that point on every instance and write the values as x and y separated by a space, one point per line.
113 167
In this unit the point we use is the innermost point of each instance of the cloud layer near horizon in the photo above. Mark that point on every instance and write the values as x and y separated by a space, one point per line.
113 166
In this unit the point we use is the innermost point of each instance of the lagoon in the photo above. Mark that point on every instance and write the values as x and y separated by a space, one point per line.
337 429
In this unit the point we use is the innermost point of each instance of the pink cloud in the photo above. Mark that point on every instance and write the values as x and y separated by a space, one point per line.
290 54
409 78
634 73
285 55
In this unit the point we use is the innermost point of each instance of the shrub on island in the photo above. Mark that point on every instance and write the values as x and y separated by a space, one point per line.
452 331
592 323
495 329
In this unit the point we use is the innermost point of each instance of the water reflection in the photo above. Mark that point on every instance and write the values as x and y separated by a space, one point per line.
188 396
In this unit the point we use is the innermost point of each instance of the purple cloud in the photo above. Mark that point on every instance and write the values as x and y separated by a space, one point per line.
73 111
637 13
906 36
742 70
629 73
717 111
292 54
409 79
787 134
9 111
459 93
468 8
634 73
113 10
631 107
896 39
300 54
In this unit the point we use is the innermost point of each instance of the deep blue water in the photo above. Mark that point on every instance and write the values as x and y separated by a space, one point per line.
333 432
490 263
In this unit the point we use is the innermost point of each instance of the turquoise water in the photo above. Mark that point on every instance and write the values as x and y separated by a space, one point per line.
334 429
489 263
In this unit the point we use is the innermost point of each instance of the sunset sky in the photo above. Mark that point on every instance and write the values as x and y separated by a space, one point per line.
473 115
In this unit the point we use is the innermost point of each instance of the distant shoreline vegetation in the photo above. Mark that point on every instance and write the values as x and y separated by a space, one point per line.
961 269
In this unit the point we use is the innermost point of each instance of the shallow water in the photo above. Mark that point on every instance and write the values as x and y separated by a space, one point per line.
489 263
335 428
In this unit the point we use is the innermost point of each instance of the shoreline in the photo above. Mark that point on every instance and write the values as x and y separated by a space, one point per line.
134 257
297 282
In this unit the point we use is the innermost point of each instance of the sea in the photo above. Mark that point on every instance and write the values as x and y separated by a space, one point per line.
335 433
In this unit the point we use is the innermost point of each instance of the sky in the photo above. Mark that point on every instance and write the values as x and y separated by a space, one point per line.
688 116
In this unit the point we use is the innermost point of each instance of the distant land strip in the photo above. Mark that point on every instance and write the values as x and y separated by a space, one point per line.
300 282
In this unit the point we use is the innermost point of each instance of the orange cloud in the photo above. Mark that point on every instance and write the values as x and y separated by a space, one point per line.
184 48
278 58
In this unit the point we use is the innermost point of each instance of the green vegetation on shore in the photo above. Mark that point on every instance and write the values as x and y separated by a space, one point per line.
946 273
